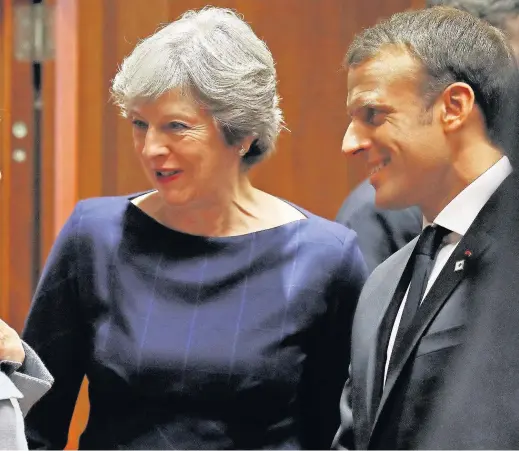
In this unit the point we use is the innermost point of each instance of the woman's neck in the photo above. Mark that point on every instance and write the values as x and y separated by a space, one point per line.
235 211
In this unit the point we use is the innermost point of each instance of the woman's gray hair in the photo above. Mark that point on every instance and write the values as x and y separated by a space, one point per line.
215 57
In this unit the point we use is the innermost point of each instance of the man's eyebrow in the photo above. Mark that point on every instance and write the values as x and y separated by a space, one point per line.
361 103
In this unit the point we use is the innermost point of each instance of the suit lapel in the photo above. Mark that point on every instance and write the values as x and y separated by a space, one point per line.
384 332
385 313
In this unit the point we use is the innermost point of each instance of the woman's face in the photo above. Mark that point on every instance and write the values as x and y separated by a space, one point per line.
182 150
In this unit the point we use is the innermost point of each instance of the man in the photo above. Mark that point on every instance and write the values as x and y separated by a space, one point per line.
479 404
380 232
428 93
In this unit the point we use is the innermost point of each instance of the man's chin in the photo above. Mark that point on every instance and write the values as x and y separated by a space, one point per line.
389 202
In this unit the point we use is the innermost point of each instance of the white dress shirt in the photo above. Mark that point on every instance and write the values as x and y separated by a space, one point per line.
457 216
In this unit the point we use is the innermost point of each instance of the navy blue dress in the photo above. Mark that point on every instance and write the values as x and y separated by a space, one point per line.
194 342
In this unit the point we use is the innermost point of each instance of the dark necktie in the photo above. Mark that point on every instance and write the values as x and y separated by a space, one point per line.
424 254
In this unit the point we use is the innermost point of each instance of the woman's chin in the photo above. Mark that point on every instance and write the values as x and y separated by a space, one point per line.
174 199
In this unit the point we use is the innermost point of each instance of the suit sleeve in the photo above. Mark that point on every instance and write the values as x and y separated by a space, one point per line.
55 330
329 354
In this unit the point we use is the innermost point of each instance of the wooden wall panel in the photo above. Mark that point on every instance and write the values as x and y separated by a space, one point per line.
17 210
47 176
67 83
312 87
91 98
79 105
109 113
5 159
79 126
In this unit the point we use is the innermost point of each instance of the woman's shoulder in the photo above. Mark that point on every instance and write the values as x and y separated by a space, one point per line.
106 207
103 210
326 231
98 217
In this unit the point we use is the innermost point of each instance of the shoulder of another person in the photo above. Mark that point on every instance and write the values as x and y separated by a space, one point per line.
360 202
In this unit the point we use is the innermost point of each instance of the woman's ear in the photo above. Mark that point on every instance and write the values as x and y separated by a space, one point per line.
247 142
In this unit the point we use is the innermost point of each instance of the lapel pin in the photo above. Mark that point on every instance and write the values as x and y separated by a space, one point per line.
468 253
459 265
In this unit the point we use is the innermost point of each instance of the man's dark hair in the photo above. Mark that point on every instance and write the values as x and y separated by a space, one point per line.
496 12
452 46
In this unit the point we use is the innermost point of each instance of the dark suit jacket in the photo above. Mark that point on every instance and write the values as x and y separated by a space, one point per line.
380 232
479 405
396 417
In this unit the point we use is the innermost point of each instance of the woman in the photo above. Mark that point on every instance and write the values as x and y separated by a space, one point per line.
205 313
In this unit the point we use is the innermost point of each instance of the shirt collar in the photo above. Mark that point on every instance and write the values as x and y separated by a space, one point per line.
461 211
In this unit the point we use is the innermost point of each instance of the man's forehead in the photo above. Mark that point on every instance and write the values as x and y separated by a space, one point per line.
370 79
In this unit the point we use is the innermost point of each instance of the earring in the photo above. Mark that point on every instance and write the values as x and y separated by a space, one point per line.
242 152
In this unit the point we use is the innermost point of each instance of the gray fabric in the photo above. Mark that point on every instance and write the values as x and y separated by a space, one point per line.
12 433
33 380
19 391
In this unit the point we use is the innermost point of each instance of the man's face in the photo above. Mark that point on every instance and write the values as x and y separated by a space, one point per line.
403 144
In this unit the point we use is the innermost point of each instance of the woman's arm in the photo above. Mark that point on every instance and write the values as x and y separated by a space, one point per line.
55 330
329 353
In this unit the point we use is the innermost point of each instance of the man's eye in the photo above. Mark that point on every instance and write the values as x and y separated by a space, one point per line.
139 124
374 117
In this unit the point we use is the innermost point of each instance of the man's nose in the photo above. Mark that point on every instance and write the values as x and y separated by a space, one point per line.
354 142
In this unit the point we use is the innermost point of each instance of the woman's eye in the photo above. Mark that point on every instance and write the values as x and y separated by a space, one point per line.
177 126
139 124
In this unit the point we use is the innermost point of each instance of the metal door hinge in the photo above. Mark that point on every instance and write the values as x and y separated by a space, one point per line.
34 32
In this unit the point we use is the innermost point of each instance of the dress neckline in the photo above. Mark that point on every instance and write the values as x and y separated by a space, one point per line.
139 214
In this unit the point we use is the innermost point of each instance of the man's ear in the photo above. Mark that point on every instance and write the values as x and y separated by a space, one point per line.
457 104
